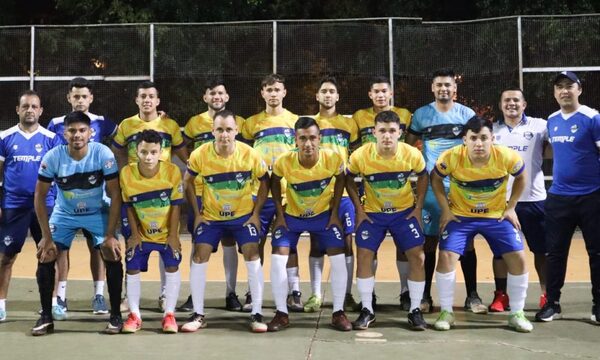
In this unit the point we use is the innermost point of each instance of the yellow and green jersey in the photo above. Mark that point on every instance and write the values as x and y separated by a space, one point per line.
308 191
152 198
130 129
387 185
365 120
478 191
337 134
227 182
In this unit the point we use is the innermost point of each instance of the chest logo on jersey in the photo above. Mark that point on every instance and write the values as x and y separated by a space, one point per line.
15 147
92 179
108 164
574 129
39 147
8 240
456 130
287 132
528 135
323 184
164 196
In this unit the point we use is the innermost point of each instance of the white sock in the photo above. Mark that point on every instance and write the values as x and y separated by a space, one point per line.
415 289
374 266
350 270
54 301
516 286
134 290
197 285
172 285
230 263
293 278
403 270
61 291
279 281
256 284
315 265
445 285
339 279
161 270
99 287
365 290
3 304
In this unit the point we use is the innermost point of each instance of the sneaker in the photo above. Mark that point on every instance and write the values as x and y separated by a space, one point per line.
195 322
115 325
364 320
313 304
187 306
59 313
63 303
2 315
256 323
405 301
43 326
349 303
374 301
548 313
474 304
595 315
99 305
519 322
426 305
161 303
232 303
416 321
445 321
294 301
543 300
280 321
500 302
248 303
340 322
169 324
124 305
132 324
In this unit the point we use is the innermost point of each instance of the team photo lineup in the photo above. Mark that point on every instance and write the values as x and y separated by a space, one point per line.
431 181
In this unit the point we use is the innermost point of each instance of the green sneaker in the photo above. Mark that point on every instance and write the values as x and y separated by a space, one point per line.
313 304
445 321
519 322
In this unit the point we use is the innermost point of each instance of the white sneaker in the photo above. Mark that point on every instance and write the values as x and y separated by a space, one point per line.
519 322
445 321
195 322
256 323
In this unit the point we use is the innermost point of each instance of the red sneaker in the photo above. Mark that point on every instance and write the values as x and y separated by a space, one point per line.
543 300
500 303
132 324
169 324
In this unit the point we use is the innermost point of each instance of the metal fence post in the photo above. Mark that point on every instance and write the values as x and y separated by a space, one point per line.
152 52
520 51
32 59
391 54
274 47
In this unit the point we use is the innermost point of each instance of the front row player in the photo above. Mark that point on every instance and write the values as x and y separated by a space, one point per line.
152 193
312 206
80 171
476 204
228 169
385 167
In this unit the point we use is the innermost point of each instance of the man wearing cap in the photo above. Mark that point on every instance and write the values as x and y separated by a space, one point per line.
574 197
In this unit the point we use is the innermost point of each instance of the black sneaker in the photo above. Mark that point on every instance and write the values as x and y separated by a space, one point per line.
405 301
364 320
43 326
474 304
374 301
595 315
232 303
416 321
115 325
427 305
187 306
548 313
294 301
248 303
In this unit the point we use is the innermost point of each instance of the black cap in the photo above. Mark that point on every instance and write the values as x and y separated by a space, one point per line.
567 75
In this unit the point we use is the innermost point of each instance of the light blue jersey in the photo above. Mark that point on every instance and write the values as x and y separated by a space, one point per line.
79 182
100 126
22 154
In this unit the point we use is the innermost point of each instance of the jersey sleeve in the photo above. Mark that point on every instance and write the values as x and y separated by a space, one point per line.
415 127
188 132
239 121
514 163
120 139
3 152
596 130
177 190
109 128
354 138
354 163
48 167
194 162
279 166
177 138
259 170
125 174
109 164
443 166
418 162
338 164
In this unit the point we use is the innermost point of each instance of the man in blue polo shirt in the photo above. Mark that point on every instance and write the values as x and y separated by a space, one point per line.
574 197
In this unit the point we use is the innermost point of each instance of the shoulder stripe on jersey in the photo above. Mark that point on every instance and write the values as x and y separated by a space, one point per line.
444 131
84 181
238 176
45 179
334 132
274 131
311 185
46 132
587 111
162 194
481 185
9 131
387 176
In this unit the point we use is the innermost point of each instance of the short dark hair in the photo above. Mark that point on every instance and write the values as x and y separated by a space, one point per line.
77 117
146 85
225 114
27 92
511 88
443 72
80 82
328 79
387 116
213 83
379 80
150 136
476 123
304 122
272 79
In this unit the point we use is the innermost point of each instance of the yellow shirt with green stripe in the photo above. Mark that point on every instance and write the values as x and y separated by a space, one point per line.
365 120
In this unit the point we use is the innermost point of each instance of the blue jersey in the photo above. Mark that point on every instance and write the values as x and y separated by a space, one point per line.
79 182
22 154
575 141
439 131
100 126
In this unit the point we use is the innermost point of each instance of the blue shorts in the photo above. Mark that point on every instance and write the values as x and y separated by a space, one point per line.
13 229
213 233
327 238
138 259
64 227
431 214
347 215
406 233
191 216
531 216
267 214
501 236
